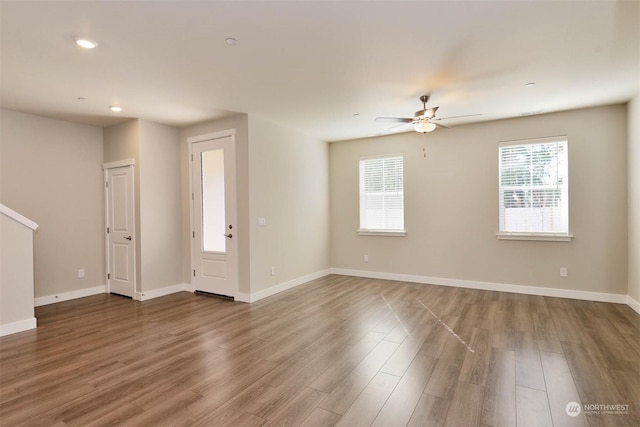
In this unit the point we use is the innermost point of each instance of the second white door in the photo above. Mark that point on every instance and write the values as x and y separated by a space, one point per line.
121 265
214 235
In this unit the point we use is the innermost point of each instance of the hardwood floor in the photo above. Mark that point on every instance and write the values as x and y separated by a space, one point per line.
337 351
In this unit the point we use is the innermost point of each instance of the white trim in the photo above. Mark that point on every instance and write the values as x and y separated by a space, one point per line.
564 235
28 324
160 292
542 237
105 178
540 140
635 305
191 209
375 164
140 296
66 296
190 144
242 297
383 156
209 136
19 326
489 286
130 163
256 296
388 233
119 164
17 217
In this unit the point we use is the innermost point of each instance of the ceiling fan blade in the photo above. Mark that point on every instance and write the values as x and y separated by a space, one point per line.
441 126
456 117
399 126
392 120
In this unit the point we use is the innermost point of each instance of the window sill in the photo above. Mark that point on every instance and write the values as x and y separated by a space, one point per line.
389 233
542 237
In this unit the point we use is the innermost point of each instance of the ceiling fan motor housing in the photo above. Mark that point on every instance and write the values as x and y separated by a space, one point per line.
428 113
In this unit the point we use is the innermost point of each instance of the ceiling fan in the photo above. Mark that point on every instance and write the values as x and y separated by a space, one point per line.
423 120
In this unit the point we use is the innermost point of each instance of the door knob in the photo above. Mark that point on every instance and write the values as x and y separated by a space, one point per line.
228 235
128 237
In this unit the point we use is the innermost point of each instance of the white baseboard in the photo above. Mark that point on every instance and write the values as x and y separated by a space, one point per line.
255 296
155 293
489 286
635 305
20 326
66 296
242 297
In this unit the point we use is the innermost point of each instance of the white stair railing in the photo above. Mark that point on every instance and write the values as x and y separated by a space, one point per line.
17 308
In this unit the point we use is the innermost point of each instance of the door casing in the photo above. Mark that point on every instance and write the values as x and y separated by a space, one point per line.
195 255
130 163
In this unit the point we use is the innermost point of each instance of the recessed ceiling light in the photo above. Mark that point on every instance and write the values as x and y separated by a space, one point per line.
85 43
115 108
531 84
231 41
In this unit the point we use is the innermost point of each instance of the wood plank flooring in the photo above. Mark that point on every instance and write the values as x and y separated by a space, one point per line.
337 351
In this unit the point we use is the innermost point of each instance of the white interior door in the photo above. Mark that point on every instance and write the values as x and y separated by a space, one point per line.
214 237
120 208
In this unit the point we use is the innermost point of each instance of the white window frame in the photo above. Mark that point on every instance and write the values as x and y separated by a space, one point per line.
379 232
534 235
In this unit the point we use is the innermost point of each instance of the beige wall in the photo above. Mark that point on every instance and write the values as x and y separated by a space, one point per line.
451 205
156 150
282 176
289 187
122 142
51 172
239 123
633 158
160 211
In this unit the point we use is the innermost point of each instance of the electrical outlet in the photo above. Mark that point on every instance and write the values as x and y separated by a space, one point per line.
273 271
366 258
262 221
564 272
81 273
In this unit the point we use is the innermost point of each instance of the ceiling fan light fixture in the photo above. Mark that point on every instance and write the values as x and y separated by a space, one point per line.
424 126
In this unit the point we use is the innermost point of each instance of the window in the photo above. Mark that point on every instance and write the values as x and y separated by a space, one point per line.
534 190
382 195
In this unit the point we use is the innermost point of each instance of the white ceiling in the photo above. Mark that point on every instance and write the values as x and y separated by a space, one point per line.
312 65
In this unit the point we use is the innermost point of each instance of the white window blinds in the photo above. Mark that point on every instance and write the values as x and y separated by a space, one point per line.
382 193
534 187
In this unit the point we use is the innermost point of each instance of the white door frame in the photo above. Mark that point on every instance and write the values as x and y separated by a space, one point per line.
105 167
190 142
